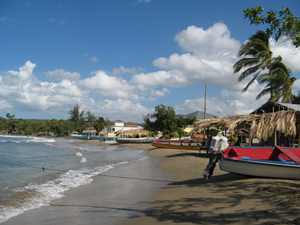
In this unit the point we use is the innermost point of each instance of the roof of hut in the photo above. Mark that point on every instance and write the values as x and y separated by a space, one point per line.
271 106
133 133
260 126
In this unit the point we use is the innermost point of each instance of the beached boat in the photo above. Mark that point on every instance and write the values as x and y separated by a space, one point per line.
179 144
134 140
275 162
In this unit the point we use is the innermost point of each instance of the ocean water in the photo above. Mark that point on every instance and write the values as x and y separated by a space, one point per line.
34 171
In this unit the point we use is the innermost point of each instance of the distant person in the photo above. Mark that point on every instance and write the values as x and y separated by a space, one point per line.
207 144
218 145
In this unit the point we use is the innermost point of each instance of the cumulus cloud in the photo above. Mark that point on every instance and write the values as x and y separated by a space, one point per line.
123 70
109 86
210 58
60 74
205 42
23 91
289 53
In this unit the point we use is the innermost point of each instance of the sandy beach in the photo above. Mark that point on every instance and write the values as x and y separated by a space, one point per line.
168 188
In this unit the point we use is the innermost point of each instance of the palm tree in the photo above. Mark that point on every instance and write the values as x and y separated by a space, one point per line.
279 83
258 57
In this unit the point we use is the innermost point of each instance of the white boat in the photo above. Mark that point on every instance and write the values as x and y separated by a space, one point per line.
273 162
134 140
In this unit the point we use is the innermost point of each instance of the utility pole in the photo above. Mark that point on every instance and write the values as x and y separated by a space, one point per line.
205 101
205 108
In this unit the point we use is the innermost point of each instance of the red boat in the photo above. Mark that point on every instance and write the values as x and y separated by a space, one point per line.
276 162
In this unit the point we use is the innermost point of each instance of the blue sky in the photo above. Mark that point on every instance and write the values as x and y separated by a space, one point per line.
121 58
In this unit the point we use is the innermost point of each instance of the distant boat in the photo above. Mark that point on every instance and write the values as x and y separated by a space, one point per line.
134 140
275 162
179 144
91 137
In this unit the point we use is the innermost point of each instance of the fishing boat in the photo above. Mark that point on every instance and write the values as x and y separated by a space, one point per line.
273 162
179 144
134 140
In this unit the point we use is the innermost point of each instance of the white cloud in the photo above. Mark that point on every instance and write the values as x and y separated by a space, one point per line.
60 74
228 103
123 70
23 91
212 54
109 86
289 53
206 42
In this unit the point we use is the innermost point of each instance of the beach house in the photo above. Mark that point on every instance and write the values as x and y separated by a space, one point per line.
120 125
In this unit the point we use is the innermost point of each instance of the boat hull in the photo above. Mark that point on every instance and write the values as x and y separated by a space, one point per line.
260 169
178 144
272 167
134 140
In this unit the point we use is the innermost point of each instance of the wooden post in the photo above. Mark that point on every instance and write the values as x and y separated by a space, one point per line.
275 133
205 111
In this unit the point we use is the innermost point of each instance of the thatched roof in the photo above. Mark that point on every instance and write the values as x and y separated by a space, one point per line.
261 126
133 133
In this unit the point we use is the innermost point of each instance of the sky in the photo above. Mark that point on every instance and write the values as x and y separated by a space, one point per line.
119 59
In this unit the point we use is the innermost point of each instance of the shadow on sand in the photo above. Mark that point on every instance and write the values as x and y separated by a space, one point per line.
231 184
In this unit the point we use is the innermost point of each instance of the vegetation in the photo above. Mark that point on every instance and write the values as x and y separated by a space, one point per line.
78 121
279 83
283 24
99 124
166 122
258 57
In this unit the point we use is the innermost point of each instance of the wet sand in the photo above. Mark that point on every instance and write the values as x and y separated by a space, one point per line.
167 188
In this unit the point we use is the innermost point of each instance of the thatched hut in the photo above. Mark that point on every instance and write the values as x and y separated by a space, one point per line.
261 126
133 133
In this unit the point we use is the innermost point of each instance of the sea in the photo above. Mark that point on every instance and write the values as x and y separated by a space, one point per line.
35 171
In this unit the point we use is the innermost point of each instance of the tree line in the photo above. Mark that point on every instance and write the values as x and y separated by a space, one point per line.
78 121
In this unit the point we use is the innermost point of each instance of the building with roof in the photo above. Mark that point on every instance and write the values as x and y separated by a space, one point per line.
120 125
270 107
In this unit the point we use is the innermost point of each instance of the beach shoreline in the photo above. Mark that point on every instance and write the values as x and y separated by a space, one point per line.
168 188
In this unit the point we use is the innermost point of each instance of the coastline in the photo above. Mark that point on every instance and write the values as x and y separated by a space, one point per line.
112 196
168 188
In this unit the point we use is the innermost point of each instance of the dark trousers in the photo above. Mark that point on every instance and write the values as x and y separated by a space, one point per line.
213 159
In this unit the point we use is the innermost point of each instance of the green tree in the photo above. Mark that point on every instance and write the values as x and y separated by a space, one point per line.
77 117
60 127
53 125
283 24
10 117
3 123
258 57
279 82
99 124
165 120
48 123
90 118
182 123
12 125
